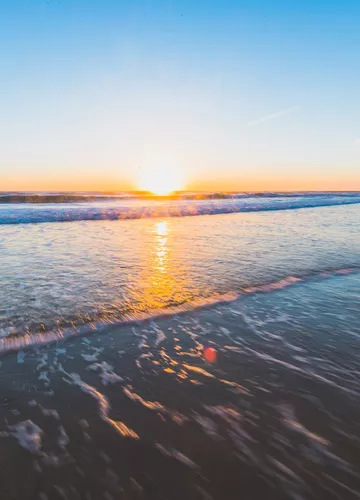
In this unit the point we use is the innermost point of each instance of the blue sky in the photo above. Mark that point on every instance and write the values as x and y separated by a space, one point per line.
236 94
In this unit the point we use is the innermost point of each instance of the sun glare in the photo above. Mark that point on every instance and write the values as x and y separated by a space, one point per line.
160 180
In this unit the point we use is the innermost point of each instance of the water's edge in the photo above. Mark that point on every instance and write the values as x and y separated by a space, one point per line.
19 342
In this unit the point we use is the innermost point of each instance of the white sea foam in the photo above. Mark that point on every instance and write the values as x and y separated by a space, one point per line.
171 452
28 435
104 405
66 212
18 342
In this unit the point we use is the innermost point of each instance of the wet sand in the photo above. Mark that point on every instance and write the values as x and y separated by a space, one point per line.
136 412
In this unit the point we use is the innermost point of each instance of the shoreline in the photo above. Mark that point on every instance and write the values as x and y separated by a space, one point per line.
18 342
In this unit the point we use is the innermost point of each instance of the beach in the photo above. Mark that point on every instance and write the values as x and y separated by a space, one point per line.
205 357
137 412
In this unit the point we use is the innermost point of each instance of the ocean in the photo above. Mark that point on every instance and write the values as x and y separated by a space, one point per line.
107 304
57 275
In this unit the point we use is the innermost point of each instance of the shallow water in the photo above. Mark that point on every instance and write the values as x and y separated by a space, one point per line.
57 275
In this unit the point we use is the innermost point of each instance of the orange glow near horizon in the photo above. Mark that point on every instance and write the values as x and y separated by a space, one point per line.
162 181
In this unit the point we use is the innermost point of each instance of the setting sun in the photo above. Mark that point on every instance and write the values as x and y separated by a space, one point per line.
160 180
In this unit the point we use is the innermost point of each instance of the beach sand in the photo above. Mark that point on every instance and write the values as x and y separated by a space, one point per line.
136 412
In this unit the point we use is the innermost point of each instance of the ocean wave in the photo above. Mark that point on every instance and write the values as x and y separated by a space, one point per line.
153 208
19 342
13 197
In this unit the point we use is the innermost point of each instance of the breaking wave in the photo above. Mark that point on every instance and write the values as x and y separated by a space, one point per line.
84 208
18 342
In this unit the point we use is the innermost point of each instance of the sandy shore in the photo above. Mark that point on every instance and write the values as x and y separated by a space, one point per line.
136 412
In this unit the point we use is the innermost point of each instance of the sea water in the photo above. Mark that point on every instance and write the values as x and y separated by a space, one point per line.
57 275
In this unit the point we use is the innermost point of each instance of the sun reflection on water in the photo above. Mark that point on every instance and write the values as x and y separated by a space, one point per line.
162 279
161 246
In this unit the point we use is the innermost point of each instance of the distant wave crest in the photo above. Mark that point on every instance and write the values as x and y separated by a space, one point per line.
123 209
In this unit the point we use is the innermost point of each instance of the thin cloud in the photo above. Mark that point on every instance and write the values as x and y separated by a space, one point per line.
356 142
272 116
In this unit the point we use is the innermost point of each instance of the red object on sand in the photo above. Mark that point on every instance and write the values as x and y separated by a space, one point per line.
210 354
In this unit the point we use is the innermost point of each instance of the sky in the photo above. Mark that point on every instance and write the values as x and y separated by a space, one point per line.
231 94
